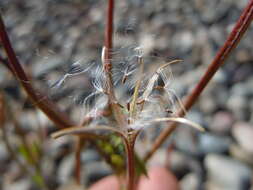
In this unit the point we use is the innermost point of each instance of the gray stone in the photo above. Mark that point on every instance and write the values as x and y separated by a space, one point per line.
28 120
207 104
180 164
190 182
243 133
70 186
22 184
95 171
240 154
42 119
243 56
209 15
55 146
211 98
216 34
238 105
240 89
249 85
24 28
48 168
183 41
243 72
221 122
227 173
196 117
241 4
184 141
66 169
209 143
209 185
147 43
251 109
220 95
219 77
3 76
44 65
89 155
3 152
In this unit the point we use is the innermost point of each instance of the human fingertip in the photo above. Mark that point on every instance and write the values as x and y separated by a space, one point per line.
159 179
107 183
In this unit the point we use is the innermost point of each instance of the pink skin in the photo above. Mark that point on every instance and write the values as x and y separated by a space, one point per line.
159 179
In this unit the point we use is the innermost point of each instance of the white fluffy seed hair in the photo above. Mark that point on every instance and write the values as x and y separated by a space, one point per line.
75 69
103 54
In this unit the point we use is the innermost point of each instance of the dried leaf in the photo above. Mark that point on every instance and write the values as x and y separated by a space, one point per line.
180 120
86 130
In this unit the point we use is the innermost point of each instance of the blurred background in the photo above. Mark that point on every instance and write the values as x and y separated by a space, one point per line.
50 35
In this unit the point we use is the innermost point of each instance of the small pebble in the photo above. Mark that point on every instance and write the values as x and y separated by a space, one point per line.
243 133
221 122
226 172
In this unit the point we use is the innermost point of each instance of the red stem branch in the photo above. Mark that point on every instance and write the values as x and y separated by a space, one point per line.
109 45
109 28
118 115
40 100
130 167
233 39
78 151
129 142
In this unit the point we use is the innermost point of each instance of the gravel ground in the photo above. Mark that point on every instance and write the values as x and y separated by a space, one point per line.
50 35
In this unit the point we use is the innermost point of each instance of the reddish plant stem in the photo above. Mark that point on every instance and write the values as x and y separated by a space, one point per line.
130 167
41 101
109 28
233 39
109 46
108 69
118 115
78 151
129 147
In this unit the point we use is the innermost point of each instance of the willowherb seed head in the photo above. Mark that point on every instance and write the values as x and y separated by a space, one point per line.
144 100
147 102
